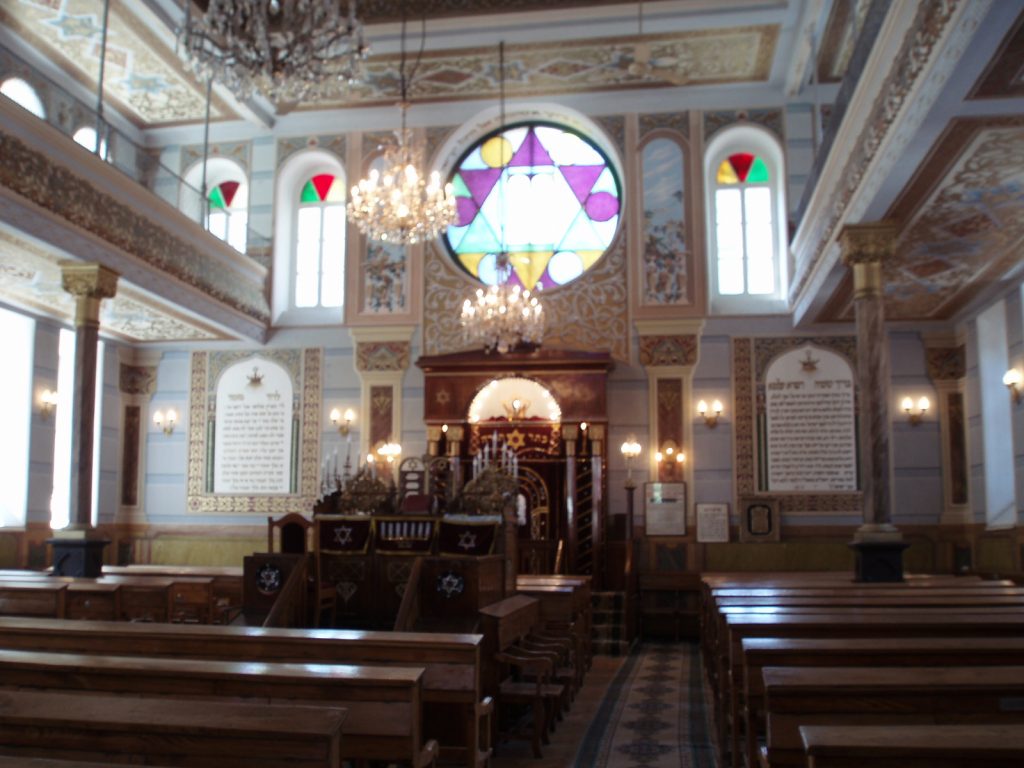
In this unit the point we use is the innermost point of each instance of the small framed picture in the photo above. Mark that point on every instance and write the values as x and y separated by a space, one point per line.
665 509
759 519
712 523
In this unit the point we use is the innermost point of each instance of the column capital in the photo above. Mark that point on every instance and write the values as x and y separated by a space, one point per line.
89 283
868 243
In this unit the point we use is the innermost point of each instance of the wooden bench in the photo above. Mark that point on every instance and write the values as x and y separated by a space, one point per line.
225 584
506 624
32 598
457 710
582 600
199 734
851 623
884 696
384 704
913 746
759 653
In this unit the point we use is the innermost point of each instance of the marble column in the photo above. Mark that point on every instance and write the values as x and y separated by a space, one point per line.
89 284
864 247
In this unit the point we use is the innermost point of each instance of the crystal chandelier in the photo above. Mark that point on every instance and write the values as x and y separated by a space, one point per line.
288 50
504 316
401 205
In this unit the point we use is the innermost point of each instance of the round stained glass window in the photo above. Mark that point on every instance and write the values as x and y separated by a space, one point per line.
543 194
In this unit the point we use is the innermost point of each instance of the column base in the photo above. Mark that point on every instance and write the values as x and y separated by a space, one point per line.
81 557
878 561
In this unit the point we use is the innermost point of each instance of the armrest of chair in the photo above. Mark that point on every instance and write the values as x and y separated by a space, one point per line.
428 755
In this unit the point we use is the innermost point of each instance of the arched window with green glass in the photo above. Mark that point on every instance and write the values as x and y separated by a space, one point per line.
320 242
746 219
228 216
542 193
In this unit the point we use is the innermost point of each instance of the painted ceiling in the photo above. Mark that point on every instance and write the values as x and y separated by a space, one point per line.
30 277
961 215
143 78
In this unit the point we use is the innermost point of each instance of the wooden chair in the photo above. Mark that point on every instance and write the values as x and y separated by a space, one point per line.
294 537
293 532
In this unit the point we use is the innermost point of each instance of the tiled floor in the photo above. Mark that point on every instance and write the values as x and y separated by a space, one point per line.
566 739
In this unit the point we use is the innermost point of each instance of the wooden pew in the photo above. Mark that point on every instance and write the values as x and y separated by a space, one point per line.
850 623
913 746
561 612
198 734
226 581
581 585
759 653
457 708
384 720
6 761
883 696
33 599
506 624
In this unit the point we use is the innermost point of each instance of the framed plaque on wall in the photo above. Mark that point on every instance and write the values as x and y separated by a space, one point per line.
712 523
759 519
665 509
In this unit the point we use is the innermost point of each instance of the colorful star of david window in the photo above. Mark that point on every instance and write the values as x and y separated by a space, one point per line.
323 188
540 192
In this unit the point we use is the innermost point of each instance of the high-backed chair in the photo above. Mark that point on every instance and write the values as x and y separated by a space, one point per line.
293 531
295 540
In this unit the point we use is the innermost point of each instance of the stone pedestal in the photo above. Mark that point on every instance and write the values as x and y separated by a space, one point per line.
80 556
878 561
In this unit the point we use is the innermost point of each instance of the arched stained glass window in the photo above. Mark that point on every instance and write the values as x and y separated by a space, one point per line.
320 242
24 95
744 230
228 218
541 192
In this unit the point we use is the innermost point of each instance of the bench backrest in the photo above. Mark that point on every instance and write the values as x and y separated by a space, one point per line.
121 729
384 718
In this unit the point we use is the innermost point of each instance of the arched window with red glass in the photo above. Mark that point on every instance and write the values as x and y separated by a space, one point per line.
745 218
228 216
320 243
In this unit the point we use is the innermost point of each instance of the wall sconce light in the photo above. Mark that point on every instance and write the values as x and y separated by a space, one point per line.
712 419
444 428
1012 379
47 403
630 450
922 407
669 452
343 426
166 421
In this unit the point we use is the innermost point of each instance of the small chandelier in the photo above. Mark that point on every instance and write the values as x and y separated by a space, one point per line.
288 50
503 317
401 205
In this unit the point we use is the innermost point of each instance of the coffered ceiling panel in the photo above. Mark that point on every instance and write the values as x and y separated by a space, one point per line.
142 77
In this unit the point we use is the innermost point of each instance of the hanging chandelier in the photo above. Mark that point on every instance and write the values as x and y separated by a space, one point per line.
505 316
289 51
402 205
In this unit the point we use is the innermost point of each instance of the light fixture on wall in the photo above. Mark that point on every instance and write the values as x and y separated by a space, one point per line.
287 50
504 316
710 419
390 452
669 453
166 421
342 421
1012 380
630 450
47 403
401 205
915 416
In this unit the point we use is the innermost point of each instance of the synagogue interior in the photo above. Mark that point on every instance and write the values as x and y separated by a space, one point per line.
558 363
